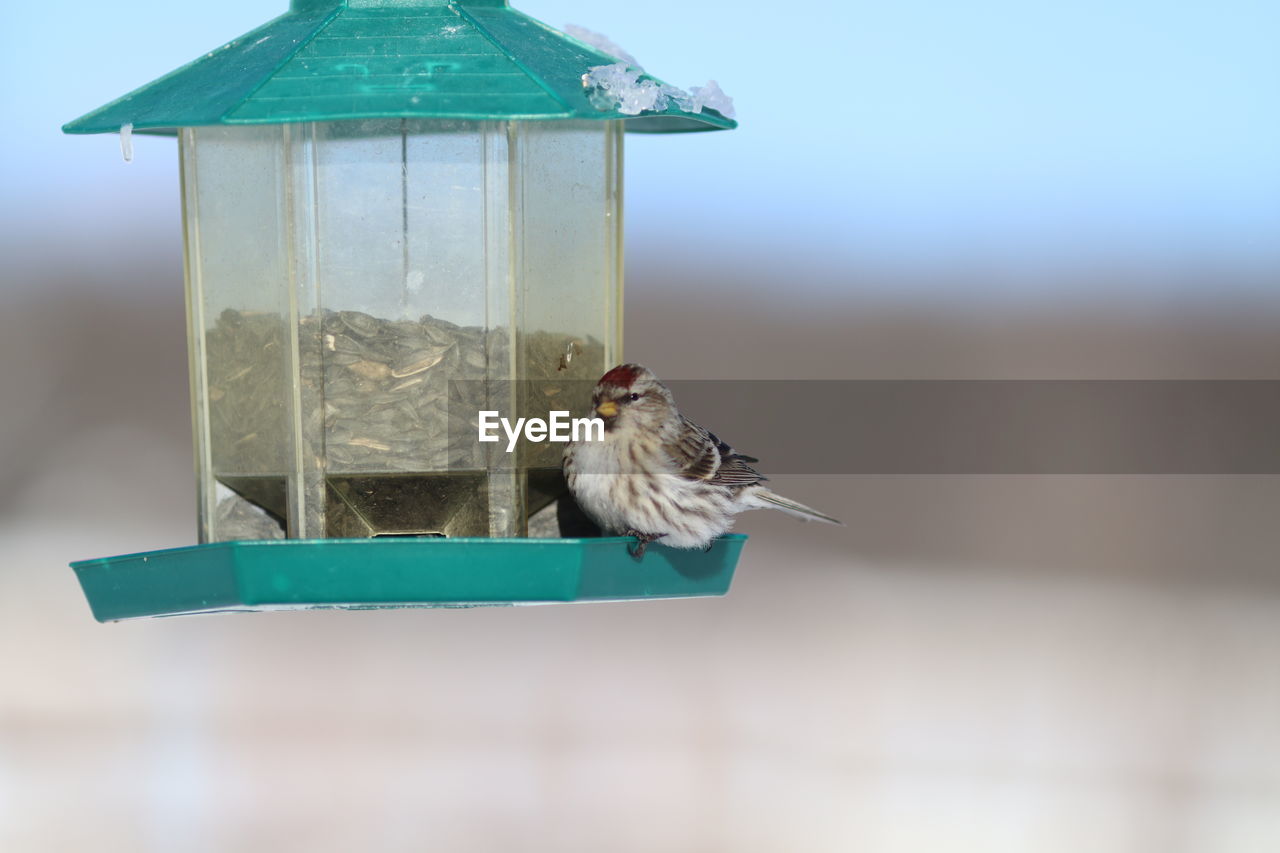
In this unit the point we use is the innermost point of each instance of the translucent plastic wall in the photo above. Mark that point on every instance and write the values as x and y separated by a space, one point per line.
359 291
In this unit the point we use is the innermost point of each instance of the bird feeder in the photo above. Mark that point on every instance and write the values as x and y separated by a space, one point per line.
397 214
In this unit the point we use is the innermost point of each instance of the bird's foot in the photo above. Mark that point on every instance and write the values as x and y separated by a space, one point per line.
643 542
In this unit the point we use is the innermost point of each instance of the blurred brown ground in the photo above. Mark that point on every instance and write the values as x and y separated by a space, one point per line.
975 663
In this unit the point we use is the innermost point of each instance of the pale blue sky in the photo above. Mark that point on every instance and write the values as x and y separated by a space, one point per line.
876 136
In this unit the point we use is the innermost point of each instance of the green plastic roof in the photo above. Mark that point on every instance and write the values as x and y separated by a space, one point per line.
328 60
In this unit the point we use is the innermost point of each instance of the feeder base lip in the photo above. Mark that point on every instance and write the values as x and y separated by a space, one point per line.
400 572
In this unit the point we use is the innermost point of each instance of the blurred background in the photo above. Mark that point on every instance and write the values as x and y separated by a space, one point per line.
988 663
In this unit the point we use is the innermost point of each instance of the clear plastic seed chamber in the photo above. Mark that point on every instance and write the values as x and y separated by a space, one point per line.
361 290
397 215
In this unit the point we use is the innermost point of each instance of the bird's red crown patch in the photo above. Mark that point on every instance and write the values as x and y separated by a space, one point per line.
622 375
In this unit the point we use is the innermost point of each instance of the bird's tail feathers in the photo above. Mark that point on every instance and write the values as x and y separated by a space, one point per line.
773 500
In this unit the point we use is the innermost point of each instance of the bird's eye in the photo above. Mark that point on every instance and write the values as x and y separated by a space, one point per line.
634 397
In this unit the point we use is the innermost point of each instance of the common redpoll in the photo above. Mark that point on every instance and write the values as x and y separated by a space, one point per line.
657 474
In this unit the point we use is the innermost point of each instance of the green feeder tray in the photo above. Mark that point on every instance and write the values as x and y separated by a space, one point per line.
359 574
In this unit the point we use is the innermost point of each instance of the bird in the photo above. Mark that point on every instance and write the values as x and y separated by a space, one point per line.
657 475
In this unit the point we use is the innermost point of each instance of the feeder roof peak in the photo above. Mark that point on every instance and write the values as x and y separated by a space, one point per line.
330 60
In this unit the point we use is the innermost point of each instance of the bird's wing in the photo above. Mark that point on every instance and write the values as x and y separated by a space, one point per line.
702 456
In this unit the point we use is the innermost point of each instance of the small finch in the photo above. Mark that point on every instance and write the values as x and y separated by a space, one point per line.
657 474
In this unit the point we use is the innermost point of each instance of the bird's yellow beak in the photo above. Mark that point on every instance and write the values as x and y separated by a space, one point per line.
607 409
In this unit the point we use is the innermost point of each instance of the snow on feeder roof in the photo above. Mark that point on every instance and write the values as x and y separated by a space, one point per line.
328 60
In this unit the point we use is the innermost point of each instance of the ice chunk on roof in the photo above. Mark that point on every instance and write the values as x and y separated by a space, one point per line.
126 142
712 96
601 43
621 87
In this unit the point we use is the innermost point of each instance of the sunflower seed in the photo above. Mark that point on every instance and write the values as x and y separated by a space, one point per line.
370 369
417 362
